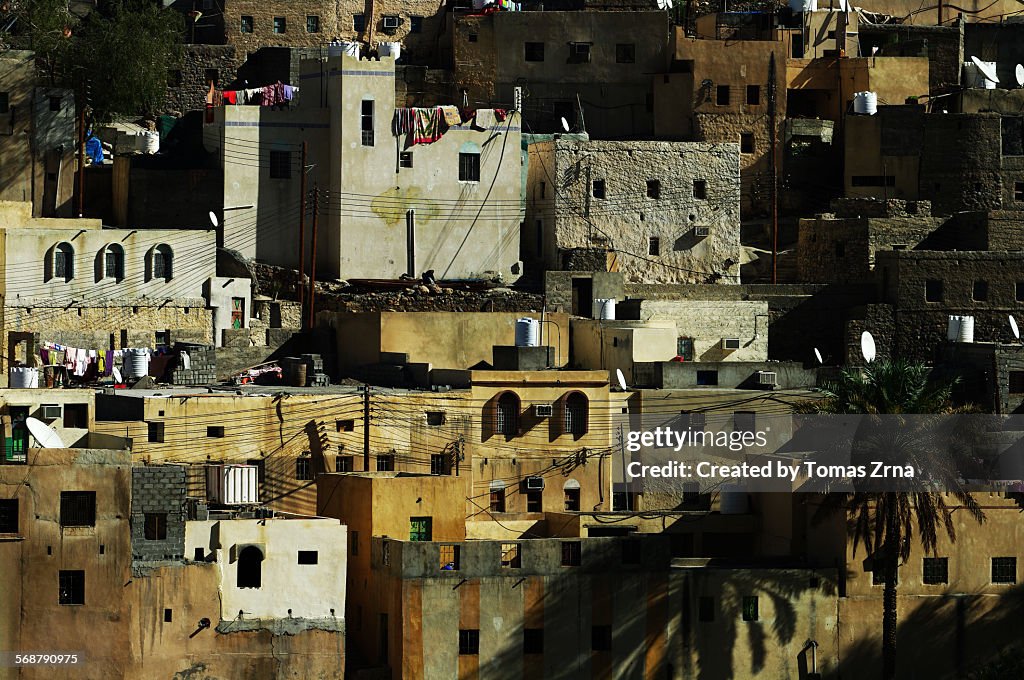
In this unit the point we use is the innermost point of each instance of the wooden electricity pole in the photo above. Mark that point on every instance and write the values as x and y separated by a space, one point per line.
773 166
312 256
299 288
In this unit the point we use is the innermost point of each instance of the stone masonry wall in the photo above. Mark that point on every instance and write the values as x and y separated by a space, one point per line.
158 489
187 85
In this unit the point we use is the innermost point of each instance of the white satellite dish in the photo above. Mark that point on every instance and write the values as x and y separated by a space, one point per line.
867 346
986 69
664 4
116 372
817 354
622 379
213 219
1014 328
1020 74
47 438
565 124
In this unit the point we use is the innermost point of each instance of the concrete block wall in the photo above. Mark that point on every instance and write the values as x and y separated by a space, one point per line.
158 489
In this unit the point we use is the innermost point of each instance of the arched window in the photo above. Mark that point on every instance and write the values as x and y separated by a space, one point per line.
506 415
163 262
113 262
63 261
576 407
250 567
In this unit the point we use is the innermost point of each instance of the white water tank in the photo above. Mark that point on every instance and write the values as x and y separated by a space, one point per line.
232 484
865 103
733 500
136 363
803 5
527 332
604 308
148 142
390 49
960 329
22 377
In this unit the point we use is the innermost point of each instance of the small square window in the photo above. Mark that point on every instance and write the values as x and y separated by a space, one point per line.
722 95
935 570
571 554
579 53
753 95
304 469
280 165
415 24
469 167
707 377
1018 291
247 24
156 526
534 501
653 245
534 51
980 292
345 425
211 75
601 638
497 500
420 528
1016 382
435 418
280 25
385 462
700 189
933 290
168 616
449 557
705 609
746 142
625 53
533 640
438 465
55 101
155 432
510 556
1004 570
1018 191
473 37
312 23
653 188
750 612
8 515
199 555
469 642
71 587
405 159
343 464
597 188
78 508
358 23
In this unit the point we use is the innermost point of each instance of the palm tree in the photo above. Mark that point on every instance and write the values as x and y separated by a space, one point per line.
884 520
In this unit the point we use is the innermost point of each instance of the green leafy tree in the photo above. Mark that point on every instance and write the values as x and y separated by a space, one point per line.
124 52
44 26
886 522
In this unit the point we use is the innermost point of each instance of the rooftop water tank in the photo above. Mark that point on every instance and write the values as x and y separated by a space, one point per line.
527 332
865 103
604 308
22 377
390 49
136 363
960 329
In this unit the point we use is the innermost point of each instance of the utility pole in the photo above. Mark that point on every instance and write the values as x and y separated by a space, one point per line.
773 167
86 91
312 256
299 288
366 428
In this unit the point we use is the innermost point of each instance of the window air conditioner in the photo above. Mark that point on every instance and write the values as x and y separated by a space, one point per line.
702 231
51 411
543 410
534 483
767 378
391 22
730 343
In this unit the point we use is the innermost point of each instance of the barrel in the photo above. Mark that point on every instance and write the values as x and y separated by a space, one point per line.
21 376
960 329
604 308
136 363
865 103
527 332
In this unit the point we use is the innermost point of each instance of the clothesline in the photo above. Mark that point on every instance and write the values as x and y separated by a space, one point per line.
270 95
427 125
79 361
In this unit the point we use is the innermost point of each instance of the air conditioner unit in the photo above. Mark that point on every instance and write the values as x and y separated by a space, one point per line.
701 231
768 378
392 22
543 410
534 483
730 343
51 411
